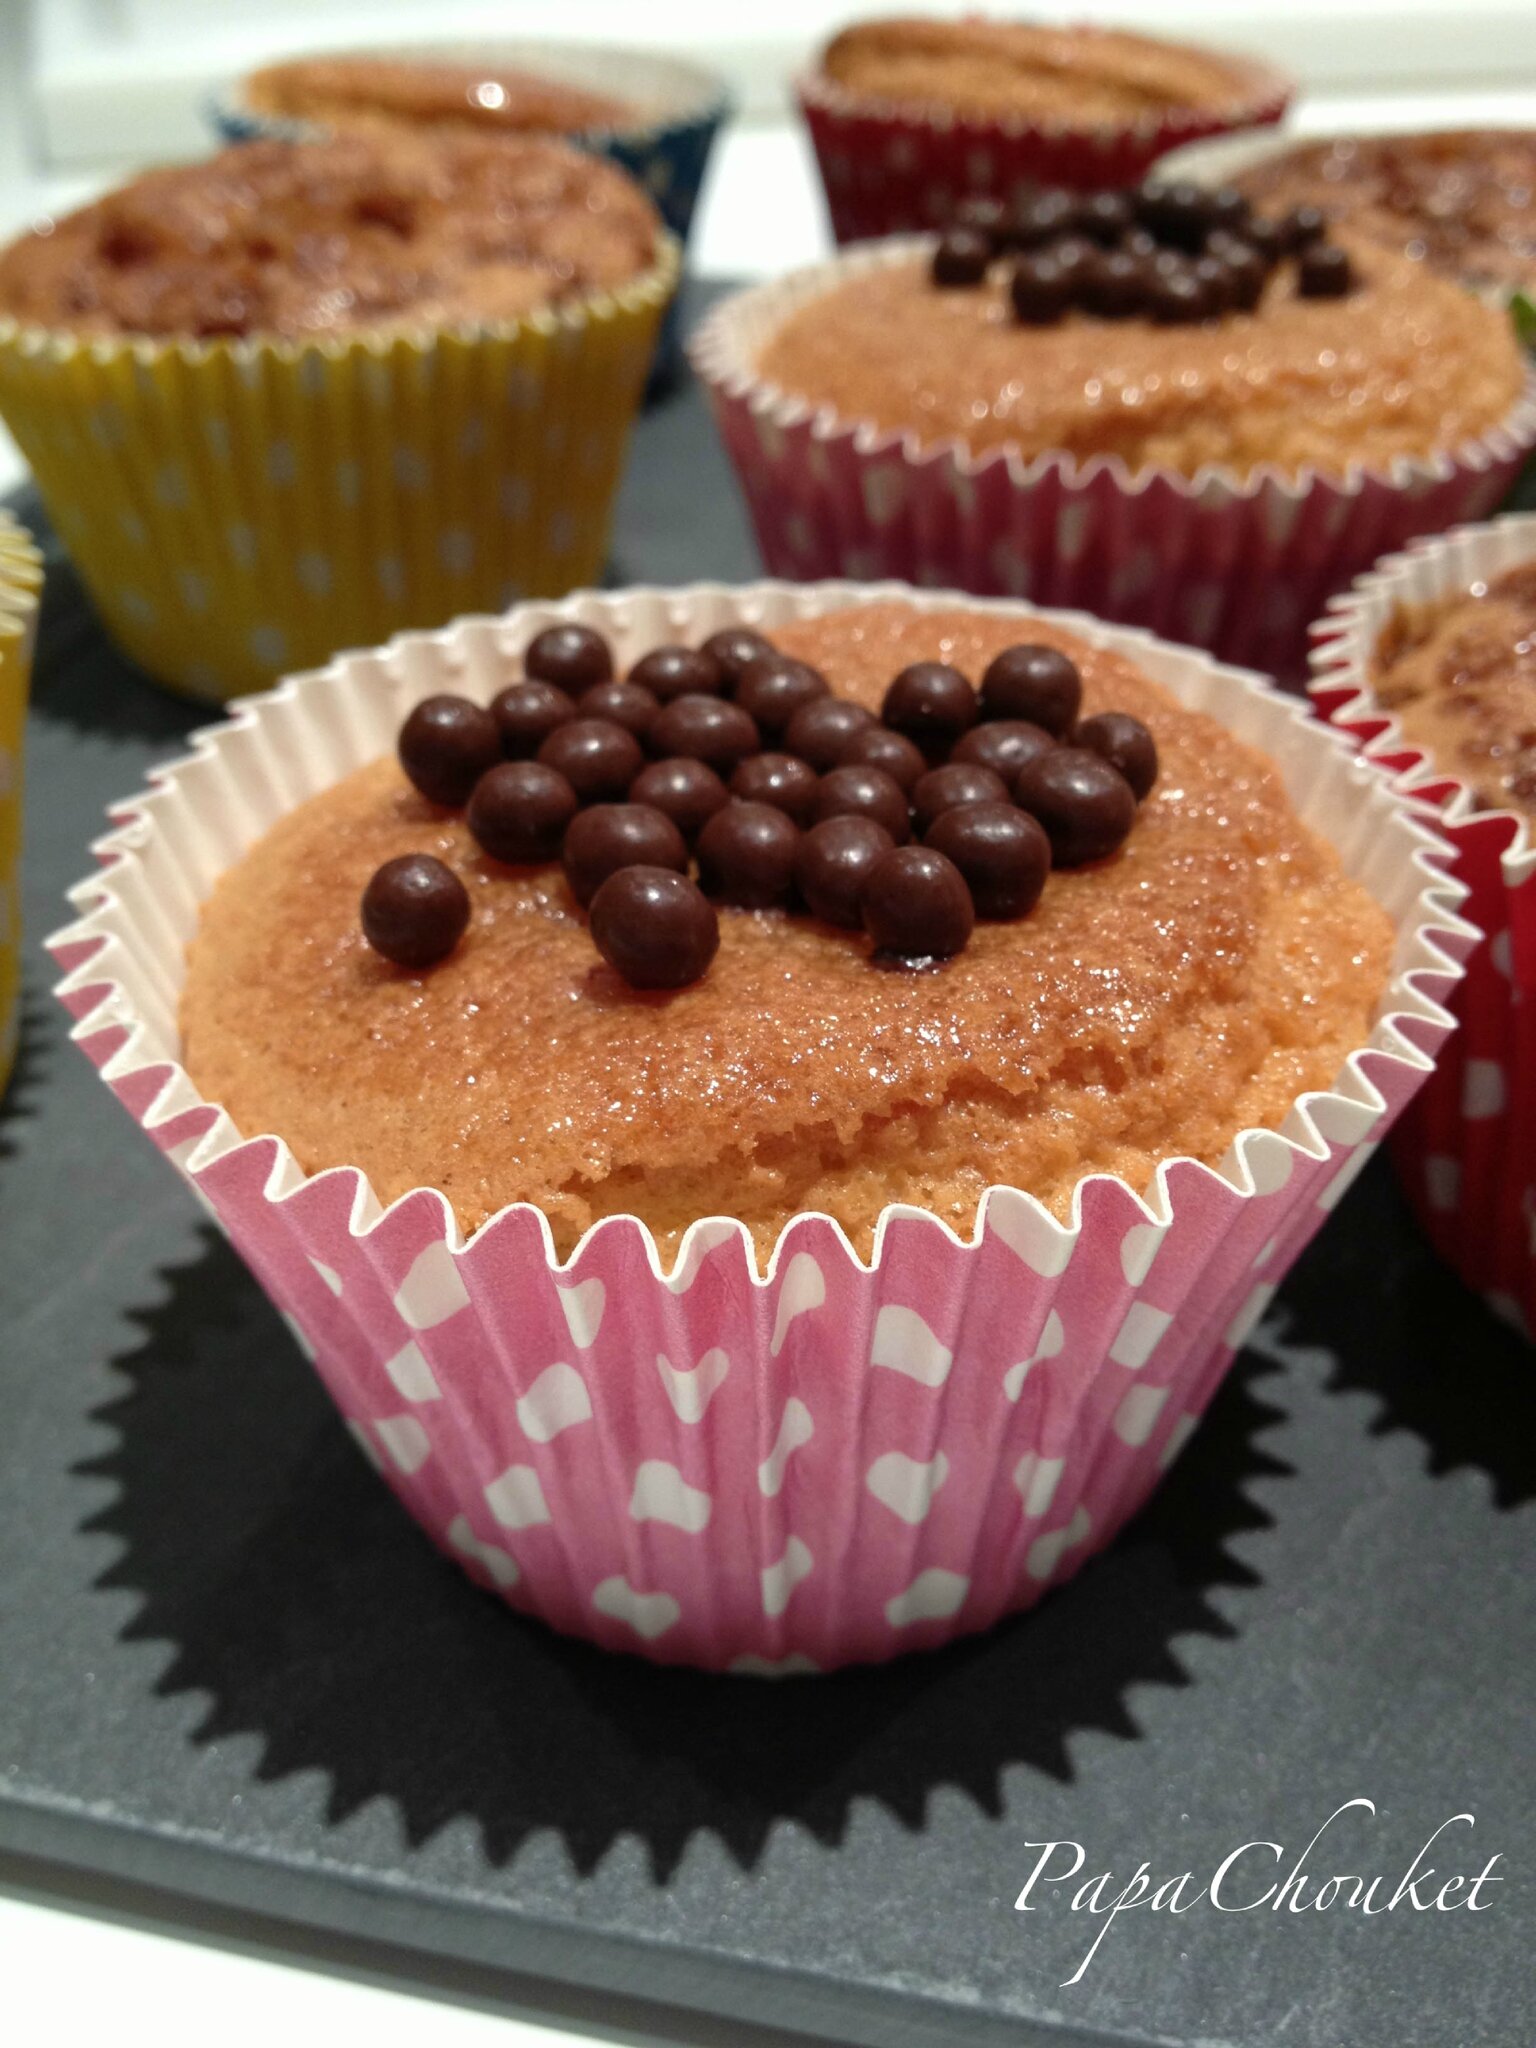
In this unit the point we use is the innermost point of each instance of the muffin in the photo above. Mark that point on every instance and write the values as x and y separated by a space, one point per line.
911 115
1459 200
714 1333
306 393
343 90
1429 662
21 579
1157 404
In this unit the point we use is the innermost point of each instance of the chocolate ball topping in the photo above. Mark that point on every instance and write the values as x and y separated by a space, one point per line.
414 910
519 811
783 780
957 782
573 657
598 758
1035 683
961 257
867 793
688 792
1324 271
1086 807
876 746
734 647
708 729
608 837
819 731
772 688
669 672
915 904
747 855
1004 744
931 704
627 704
654 927
1125 744
832 862
1040 289
1001 851
526 714
446 745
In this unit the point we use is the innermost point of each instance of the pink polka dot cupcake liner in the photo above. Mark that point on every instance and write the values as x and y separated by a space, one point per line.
768 1470
889 168
1237 565
1467 1147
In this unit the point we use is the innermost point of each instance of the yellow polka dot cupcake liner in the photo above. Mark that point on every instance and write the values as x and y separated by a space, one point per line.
21 580
240 509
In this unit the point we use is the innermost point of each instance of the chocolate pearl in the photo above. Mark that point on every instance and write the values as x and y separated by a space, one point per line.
772 689
867 793
1113 286
1105 216
608 837
876 746
783 780
688 792
1004 745
819 731
1073 254
1302 225
446 745
1040 289
1041 219
1086 806
915 904
414 910
1246 272
705 729
1001 851
1216 281
1226 207
957 782
747 855
1176 298
574 657
670 672
598 758
626 704
654 927
1137 242
1265 237
734 647
1035 683
932 704
961 257
831 864
1178 214
526 714
983 215
1324 271
1125 744
519 811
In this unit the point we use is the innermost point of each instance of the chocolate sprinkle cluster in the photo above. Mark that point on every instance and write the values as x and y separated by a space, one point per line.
1172 253
954 804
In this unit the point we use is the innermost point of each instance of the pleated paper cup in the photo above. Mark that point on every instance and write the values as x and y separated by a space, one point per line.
1236 564
1467 1148
241 508
21 582
891 167
824 1462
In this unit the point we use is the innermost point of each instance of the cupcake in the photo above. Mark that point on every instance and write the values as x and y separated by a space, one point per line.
303 394
1428 661
821 1257
21 578
1460 200
655 117
911 116
1157 404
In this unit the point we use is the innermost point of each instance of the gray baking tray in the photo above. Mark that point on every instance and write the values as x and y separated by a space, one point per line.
230 1668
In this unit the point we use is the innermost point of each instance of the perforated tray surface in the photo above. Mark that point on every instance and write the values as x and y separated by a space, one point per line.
229 1665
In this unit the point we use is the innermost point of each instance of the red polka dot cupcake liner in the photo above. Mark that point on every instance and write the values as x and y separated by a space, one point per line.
889 168
757 1469
1467 1147
1237 565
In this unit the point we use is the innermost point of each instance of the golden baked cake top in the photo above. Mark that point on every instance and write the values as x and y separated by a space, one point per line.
1153 1004
1407 365
301 240
1459 676
1465 202
430 92
1072 77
